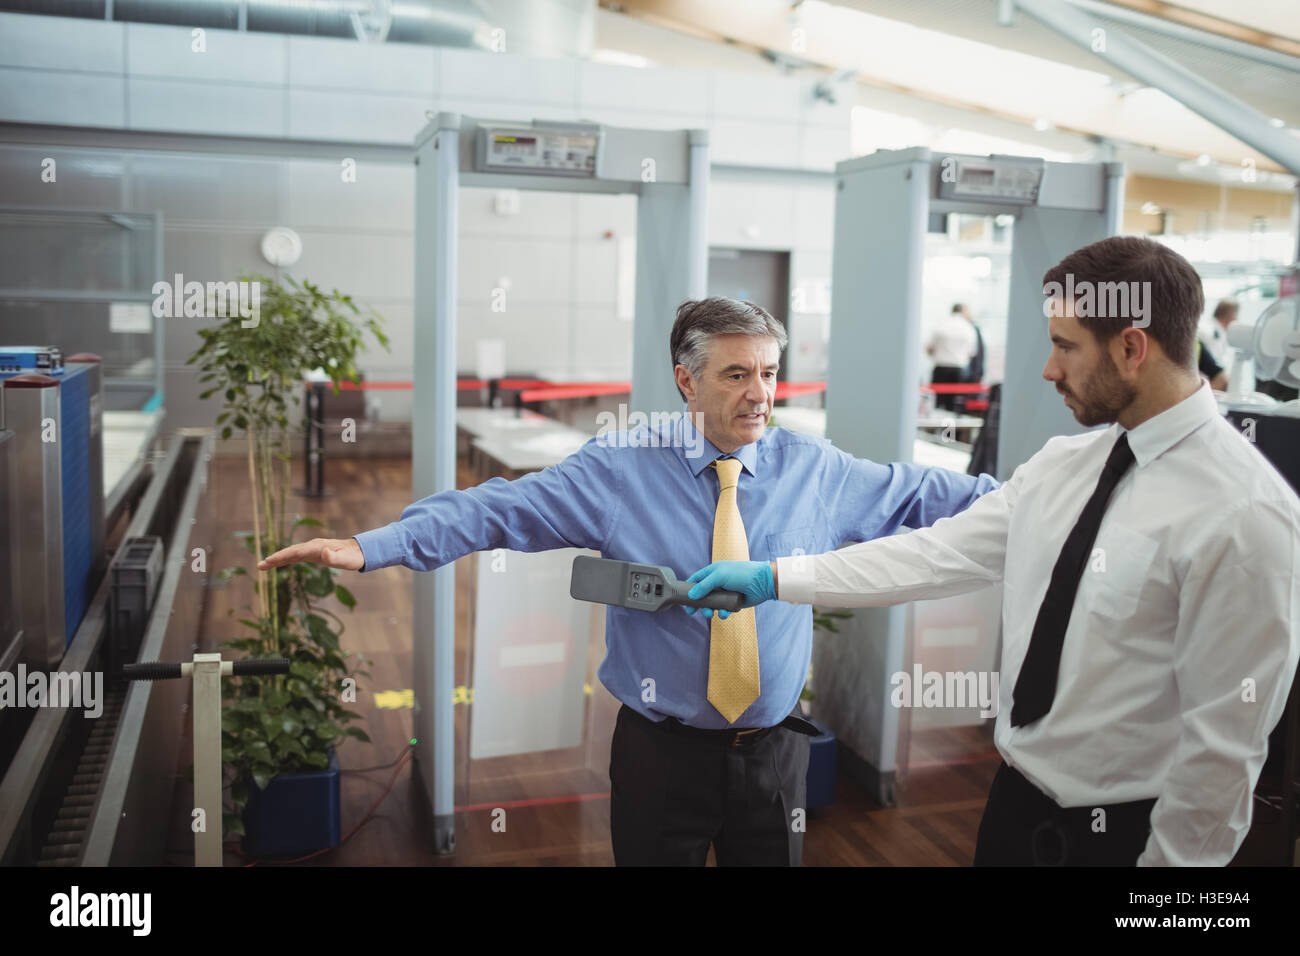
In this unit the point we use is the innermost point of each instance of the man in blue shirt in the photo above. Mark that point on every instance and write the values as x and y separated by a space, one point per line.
684 776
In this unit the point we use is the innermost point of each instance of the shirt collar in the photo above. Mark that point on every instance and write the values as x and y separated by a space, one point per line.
1158 434
746 454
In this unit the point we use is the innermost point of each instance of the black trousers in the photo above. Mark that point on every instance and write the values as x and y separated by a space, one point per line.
672 794
1022 826
947 375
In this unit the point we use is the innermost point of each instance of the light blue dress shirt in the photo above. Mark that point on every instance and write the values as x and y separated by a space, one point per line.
648 495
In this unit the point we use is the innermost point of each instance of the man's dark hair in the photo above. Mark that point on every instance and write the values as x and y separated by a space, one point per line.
1170 288
699 320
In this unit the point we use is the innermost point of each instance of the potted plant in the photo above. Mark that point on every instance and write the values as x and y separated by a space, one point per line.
279 734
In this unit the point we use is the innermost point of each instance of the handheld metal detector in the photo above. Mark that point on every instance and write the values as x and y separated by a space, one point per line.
644 587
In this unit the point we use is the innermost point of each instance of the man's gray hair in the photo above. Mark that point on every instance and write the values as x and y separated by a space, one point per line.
700 320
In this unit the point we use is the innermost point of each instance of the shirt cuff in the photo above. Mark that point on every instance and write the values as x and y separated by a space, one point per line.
796 579
380 548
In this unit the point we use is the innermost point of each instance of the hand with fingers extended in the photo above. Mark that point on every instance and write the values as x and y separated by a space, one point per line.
342 553
751 578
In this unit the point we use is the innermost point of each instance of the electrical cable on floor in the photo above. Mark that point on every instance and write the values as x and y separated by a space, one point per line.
370 814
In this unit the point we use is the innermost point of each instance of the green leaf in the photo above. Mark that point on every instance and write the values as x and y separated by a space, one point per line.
304 669
318 759
345 596
318 581
291 745
358 733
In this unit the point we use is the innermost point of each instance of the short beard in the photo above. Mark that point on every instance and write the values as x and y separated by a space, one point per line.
1104 395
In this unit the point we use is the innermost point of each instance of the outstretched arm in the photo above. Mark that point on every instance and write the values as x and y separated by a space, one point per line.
956 554
572 504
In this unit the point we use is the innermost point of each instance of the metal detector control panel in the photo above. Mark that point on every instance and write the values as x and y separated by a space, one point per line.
548 150
643 587
994 179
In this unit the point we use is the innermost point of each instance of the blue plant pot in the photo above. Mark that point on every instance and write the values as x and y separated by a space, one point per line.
821 767
297 813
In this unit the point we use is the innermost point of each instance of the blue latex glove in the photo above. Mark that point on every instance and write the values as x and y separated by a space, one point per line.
751 578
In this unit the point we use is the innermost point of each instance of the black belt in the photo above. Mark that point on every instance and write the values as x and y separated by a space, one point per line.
733 736
1060 826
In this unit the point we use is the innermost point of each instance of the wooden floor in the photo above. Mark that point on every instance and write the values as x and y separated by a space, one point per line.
557 803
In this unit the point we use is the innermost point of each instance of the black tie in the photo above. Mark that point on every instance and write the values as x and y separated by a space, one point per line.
1036 685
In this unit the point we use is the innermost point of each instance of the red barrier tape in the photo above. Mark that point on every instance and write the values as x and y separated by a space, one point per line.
956 389
463 385
575 391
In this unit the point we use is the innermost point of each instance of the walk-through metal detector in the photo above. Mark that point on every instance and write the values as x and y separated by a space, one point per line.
668 172
883 205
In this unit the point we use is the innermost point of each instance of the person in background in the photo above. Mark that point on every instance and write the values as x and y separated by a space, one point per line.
975 370
951 346
1213 372
1213 351
974 376
1149 643
1215 336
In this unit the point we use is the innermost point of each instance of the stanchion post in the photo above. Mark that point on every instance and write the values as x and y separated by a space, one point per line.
207 757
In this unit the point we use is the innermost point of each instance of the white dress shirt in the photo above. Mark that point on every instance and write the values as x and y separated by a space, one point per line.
953 341
1199 597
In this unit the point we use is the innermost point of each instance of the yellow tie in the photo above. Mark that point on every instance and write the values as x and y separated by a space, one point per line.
733 643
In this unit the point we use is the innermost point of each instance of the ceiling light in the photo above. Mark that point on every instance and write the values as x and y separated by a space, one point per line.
1204 159
1150 209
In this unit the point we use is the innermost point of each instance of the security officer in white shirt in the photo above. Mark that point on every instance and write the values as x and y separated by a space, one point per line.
1149 642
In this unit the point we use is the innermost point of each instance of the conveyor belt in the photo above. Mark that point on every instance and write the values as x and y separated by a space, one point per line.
66 835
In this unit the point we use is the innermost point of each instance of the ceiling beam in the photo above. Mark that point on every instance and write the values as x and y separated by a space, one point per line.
1155 69
1206 23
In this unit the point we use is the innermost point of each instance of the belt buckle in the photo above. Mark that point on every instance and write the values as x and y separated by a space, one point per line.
735 741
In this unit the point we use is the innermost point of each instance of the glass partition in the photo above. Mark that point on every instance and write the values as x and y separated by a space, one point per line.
82 281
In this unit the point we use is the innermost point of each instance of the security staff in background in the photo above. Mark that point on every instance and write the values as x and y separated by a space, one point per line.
1149 643
706 749
1213 354
1215 336
952 345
